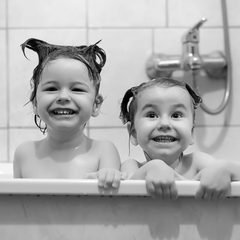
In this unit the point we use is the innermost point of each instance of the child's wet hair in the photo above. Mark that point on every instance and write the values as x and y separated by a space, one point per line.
92 56
129 103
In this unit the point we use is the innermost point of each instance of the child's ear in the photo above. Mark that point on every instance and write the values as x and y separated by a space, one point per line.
35 110
132 134
97 105
192 137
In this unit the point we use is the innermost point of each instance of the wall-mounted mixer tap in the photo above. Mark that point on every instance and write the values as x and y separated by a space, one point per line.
216 65
190 60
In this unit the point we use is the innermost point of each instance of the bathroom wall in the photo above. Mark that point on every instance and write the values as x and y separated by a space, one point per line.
131 30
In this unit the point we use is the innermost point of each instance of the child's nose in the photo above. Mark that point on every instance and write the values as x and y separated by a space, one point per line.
164 123
63 96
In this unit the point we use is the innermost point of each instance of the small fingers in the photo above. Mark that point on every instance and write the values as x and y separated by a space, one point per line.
93 175
204 194
218 195
116 180
222 195
151 190
110 178
210 194
158 191
200 193
162 191
124 176
170 191
105 179
101 178
173 191
166 191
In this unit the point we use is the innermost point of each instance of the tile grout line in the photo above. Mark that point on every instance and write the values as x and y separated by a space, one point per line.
7 83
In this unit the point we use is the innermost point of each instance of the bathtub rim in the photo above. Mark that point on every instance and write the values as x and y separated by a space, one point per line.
90 187
9 185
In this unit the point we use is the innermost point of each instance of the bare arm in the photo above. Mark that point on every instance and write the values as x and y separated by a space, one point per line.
17 163
201 160
109 156
215 177
132 168
233 168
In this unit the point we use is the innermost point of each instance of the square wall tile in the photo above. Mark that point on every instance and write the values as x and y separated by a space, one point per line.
233 9
3 145
235 56
119 136
125 68
20 68
183 13
44 13
3 81
18 136
211 41
127 13
167 41
3 13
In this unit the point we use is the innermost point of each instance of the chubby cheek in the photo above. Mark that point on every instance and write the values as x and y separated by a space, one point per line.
143 132
187 134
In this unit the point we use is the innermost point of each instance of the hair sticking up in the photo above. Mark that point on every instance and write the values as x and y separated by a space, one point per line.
92 56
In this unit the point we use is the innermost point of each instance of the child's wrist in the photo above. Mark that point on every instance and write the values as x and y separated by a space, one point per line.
229 168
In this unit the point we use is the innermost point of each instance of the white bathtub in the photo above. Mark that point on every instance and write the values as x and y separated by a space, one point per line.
78 209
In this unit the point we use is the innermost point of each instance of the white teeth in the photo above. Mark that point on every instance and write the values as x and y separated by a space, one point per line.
63 112
164 139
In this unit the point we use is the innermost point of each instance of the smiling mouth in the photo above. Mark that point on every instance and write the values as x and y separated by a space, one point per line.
63 112
164 139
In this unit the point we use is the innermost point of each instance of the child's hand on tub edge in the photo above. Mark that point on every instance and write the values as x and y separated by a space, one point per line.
160 181
215 182
107 177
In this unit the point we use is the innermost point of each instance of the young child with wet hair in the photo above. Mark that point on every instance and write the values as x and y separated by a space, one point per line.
65 94
160 117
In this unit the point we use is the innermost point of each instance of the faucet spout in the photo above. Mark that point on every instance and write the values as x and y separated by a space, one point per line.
191 59
192 35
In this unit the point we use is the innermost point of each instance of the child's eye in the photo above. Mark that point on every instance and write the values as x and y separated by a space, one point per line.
151 115
177 115
78 90
51 89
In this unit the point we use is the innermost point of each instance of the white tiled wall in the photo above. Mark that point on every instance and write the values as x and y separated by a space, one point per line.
131 30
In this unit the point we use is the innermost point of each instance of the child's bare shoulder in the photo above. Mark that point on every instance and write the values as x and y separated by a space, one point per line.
24 146
199 160
130 166
132 162
107 153
25 149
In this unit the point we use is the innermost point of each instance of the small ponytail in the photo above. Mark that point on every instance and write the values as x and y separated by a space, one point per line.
124 113
197 100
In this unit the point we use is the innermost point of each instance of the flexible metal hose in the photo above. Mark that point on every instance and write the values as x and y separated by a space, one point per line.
229 67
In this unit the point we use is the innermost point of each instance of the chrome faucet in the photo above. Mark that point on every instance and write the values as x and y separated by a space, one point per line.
190 60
